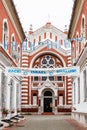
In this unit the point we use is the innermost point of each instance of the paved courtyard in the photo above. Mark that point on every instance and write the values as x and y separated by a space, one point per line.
44 122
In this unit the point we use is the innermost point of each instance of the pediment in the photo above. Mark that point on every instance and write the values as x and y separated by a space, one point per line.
47 83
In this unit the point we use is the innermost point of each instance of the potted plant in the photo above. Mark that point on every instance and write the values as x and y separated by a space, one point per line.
5 111
12 111
18 110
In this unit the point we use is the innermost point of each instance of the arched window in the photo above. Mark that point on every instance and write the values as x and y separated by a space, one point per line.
48 62
83 32
14 45
83 27
5 34
60 99
18 49
11 83
24 45
34 99
77 45
12 38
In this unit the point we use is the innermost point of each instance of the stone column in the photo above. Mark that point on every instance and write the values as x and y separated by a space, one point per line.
55 111
65 90
8 92
14 95
3 91
18 96
39 105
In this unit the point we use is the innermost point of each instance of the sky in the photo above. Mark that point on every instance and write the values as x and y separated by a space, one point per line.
39 12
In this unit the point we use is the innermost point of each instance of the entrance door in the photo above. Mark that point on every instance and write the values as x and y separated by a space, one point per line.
47 101
47 104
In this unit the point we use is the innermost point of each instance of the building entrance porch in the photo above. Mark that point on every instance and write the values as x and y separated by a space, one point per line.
48 103
48 98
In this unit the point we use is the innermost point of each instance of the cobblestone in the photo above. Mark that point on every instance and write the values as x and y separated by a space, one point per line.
44 122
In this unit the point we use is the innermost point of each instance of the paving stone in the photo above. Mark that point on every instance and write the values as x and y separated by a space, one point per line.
47 122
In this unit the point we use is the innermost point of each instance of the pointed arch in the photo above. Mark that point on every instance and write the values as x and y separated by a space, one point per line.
5 34
83 28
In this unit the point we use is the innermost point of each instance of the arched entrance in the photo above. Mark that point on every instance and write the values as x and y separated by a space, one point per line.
48 102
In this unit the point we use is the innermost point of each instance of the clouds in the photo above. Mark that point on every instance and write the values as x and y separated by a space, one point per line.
37 12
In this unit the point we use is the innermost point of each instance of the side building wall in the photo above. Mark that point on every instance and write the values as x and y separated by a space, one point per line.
78 29
10 55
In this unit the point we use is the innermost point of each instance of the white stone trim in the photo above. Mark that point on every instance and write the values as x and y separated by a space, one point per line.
24 57
24 98
24 65
25 94
69 61
70 87
25 83
24 86
69 58
24 60
24 90
24 101
69 98
69 83
69 101
69 90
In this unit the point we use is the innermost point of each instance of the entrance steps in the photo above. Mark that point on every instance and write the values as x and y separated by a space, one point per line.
48 113
60 113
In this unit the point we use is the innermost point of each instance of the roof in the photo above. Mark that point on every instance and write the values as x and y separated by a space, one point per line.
47 26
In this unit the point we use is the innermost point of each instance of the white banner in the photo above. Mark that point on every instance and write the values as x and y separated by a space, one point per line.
66 71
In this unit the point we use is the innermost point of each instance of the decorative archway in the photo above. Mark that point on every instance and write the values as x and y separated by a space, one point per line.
47 99
48 53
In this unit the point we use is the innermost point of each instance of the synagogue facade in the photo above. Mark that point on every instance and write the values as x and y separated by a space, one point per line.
46 48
